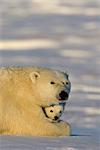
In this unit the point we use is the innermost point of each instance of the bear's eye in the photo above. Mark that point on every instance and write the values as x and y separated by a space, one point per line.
52 82
66 83
51 110
60 112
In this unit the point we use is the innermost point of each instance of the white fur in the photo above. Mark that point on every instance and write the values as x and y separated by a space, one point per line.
24 91
57 73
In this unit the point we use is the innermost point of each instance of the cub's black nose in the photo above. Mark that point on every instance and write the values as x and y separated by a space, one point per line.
56 118
63 95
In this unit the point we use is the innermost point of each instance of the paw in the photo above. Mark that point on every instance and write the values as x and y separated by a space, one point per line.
65 128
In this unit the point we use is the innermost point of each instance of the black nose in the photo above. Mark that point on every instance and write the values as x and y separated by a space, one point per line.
63 95
56 118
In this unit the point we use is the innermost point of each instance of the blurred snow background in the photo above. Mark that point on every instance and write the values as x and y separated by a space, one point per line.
63 34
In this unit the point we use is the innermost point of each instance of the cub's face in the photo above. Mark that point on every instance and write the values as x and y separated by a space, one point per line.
50 87
53 113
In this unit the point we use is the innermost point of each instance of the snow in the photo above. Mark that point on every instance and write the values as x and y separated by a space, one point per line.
64 35
49 143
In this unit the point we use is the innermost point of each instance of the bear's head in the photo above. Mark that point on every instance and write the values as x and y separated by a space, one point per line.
50 87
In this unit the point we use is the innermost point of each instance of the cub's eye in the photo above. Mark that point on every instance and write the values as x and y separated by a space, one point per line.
52 82
51 110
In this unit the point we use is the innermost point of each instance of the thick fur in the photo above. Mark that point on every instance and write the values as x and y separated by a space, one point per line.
23 93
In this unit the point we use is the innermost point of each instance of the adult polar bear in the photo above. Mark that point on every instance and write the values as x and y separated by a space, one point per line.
24 92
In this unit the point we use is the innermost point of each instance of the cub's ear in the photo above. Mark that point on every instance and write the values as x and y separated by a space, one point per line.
34 76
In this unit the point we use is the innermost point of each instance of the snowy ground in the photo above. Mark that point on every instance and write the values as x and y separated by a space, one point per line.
63 34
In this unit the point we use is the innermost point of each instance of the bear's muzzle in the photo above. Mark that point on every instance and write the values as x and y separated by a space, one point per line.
63 95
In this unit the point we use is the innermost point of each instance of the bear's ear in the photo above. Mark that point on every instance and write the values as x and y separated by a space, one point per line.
66 75
34 76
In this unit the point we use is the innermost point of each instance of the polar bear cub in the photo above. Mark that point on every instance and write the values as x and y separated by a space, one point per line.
54 112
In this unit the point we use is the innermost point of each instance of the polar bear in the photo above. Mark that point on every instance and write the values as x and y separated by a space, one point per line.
54 112
24 92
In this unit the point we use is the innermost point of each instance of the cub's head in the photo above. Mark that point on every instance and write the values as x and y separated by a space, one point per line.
50 86
54 112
